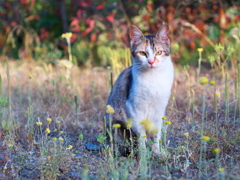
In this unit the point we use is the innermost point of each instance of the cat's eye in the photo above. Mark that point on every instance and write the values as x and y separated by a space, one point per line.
159 52
142 53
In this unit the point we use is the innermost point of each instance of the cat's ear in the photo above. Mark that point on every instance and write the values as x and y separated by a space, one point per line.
135 34
163 34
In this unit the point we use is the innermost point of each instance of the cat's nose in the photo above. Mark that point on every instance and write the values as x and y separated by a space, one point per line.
150 62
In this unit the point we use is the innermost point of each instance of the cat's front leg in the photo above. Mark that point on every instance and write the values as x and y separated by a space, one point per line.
156 138
142 137
138 128
142 141
155 147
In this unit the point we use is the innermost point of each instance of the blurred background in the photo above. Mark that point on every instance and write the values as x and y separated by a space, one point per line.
32 29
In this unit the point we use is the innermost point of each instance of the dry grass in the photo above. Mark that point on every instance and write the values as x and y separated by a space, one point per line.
77 98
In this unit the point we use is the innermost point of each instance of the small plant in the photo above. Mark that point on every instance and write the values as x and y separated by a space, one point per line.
53 151
68 36
200 50
203 82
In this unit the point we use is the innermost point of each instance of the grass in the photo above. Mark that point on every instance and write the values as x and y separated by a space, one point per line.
201 135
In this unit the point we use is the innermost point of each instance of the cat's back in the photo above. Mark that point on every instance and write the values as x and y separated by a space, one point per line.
120 92
121 88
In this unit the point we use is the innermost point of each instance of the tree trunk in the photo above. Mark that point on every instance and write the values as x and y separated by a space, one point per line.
62 6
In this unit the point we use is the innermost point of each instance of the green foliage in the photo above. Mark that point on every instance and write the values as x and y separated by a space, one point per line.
81 52
80 136
3 102
6 125
9 125
104 23
101 139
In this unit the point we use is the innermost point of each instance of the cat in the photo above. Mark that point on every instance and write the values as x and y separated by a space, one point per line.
141 91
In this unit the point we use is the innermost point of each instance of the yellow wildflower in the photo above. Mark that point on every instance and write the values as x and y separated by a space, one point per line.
117 125
160 140
103 176
60 139
31 76
149 127
109 109
55 130
221 169
70 147
49 120
49 157
183 147
67 35
47 130
10 145
39 123
168 122
129 123
182 178
217 94
58 122
212 83
203 80
144 136
164 117
200 49
216 150
54 139
205 138
61 132
147 124
5 168
186 134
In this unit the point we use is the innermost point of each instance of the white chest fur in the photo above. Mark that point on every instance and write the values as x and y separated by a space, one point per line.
150 93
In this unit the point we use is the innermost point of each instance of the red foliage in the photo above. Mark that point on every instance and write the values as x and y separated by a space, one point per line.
88 19
85 3
90 22
99 7
44 34
93 37
75 24
74 37
110 17
24 2
13 23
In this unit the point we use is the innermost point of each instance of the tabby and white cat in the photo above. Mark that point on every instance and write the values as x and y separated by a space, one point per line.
141 91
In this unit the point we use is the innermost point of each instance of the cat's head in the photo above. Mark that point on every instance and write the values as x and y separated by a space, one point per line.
149 51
